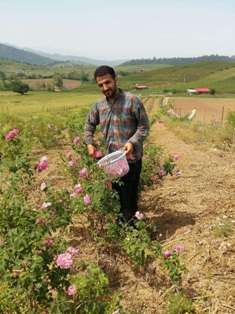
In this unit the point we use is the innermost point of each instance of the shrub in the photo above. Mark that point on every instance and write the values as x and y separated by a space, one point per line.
180 304
19 87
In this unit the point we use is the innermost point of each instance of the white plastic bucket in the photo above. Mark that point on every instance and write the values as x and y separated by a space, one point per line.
115 163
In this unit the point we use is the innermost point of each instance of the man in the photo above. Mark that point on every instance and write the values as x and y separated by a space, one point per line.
124 124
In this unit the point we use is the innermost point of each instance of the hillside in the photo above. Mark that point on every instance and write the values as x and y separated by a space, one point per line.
174 61
217 74
77 59
20 55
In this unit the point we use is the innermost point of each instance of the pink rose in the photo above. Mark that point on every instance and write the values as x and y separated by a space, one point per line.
98 154
76 141
78 189
83 172
167 254
69 155
64 260
176 157
87 200
72 164
154 179
43 164
71 291
179 248
139 215
162 173
11 135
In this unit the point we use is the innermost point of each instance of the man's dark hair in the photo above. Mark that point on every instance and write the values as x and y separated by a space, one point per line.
104 70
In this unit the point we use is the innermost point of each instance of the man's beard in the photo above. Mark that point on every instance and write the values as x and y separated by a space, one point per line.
110 93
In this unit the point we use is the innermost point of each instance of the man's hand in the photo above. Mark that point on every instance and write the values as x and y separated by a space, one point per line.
91 150
129 150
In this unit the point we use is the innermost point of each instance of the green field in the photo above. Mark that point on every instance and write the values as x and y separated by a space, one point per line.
45 102
218 75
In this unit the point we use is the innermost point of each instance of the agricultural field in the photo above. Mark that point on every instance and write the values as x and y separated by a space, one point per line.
61 248
208 109
45 84
217 75
44 102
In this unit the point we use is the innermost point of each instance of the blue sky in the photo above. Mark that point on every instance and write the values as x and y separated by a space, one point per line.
120 29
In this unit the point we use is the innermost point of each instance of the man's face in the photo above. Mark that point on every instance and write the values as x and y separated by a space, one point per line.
107 84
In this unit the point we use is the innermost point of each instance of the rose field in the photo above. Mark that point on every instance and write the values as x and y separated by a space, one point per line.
62 249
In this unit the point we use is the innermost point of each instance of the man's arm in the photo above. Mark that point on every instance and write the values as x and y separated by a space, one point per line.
142 123
90 126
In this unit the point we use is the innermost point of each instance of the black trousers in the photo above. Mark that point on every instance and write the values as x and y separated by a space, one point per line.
128 190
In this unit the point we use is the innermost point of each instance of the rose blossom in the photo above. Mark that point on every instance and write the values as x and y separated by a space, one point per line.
176 157
76 141
11 135
139 215
71 291
69 155
98 154
72 164
154 179
64 260
43 164
179 248
83 172
162 173
78 189
87 199
167 254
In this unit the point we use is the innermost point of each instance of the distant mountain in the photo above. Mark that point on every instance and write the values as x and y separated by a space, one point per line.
76 59
175 61
23 56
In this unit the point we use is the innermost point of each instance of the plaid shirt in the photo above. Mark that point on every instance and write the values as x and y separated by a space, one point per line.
122 120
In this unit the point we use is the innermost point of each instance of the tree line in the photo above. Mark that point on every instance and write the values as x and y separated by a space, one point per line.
175 61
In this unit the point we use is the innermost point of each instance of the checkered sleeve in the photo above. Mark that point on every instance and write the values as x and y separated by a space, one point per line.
90 126
142 123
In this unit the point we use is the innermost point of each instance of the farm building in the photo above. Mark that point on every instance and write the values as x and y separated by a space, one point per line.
196 91
140 86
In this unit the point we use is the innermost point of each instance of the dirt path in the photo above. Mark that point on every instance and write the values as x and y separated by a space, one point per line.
197 210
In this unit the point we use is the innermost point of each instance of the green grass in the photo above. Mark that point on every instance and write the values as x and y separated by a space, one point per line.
46 102
223 230
180 304
218 75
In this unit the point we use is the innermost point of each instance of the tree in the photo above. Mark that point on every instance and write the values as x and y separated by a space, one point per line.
58 80
2 80
84 77
19 87
2 76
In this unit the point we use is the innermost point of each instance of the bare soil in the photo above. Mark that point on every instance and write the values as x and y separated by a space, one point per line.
193 210
208 109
